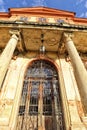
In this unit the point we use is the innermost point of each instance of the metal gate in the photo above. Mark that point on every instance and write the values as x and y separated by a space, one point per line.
40 104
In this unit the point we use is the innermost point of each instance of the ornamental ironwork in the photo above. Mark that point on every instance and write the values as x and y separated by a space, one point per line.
40 104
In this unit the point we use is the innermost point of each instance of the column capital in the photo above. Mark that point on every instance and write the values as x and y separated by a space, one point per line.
15 33
67 36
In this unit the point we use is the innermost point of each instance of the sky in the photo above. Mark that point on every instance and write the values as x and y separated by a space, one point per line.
77 6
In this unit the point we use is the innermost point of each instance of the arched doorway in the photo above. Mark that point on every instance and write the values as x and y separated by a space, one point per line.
40 104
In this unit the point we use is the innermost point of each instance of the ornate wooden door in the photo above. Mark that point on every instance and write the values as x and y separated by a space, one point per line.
40 104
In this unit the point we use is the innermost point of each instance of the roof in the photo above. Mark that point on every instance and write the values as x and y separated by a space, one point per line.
42 10
38 10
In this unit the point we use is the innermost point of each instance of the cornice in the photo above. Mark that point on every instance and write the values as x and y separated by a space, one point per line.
41 10
81 20
2 14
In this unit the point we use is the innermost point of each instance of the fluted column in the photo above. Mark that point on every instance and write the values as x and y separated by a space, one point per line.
79 69
6 56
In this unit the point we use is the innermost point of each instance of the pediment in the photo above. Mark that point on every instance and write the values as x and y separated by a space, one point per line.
41 10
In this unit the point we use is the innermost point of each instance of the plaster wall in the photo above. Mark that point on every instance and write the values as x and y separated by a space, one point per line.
73 98
10 94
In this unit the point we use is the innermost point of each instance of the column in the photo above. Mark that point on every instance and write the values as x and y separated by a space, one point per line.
6 57
79 69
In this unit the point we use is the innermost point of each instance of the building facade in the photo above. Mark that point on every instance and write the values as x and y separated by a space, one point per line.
43 76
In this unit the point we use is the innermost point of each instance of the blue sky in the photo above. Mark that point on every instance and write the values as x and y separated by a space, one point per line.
78 6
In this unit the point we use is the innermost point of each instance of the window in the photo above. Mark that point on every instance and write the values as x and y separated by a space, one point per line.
47 98
60 21
24 18
21 110
33 107
42 20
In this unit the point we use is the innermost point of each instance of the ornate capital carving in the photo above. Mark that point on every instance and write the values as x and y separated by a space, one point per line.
15 33
67 36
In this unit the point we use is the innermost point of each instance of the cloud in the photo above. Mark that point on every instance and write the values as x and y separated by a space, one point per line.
39 3
86 4
24 3
79 2
2 9
81 15
86 14
1 2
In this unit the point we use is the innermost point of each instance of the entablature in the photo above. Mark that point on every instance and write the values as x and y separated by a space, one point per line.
31 36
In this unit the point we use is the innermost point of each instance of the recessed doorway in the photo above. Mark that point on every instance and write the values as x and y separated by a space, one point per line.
40 105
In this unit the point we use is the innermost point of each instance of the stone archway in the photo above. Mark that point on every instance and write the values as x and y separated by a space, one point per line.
40 104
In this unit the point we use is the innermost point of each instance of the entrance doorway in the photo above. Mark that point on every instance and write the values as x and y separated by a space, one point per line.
40 105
